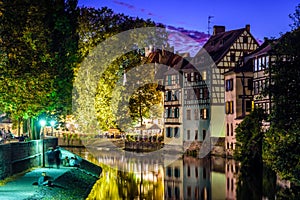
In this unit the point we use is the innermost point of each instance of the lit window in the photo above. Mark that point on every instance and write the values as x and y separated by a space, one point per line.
229 84
204 75
259 64
174 79
267 62
229 107
203 113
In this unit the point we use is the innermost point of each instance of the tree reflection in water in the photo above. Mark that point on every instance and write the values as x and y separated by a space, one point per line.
118 184
261 183
186 178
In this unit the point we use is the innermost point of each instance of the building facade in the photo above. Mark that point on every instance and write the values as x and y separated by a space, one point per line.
238 101
226 50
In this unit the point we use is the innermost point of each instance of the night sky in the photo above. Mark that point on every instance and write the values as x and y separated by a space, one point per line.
268 18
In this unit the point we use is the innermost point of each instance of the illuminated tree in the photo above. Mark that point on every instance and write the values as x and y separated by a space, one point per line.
38 46
142 100
97 26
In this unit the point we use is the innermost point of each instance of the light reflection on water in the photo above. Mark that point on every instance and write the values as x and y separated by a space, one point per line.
126 177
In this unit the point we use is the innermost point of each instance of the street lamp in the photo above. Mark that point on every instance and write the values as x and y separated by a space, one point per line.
43 123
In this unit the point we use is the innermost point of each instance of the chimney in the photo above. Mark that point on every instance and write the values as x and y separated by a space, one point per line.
247 27
218 29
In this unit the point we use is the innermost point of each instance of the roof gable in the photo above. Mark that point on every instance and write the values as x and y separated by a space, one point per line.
221 43
218 45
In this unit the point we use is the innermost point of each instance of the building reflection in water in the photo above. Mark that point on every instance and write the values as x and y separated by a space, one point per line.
231 172
128 175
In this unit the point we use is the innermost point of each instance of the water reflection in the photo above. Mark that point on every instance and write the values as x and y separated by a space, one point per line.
129 175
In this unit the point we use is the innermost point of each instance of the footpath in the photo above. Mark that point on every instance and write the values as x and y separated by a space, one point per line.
69 182
23 188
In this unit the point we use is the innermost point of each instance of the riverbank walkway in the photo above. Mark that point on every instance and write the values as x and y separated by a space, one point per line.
22 187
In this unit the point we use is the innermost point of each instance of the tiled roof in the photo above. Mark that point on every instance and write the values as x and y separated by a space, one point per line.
174 61
265 48
218 45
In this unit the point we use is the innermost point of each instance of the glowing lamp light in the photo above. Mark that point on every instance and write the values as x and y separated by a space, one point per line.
52 122
42 122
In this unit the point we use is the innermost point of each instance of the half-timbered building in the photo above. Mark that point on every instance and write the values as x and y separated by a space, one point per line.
222 52
262 58
238 101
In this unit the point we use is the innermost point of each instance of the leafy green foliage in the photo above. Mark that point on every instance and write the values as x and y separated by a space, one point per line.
107 56
142 100
249 136
38 52
282 149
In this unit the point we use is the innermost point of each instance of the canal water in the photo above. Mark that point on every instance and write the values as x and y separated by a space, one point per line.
128 175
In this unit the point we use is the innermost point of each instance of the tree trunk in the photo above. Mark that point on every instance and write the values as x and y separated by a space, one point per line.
28 127
19 127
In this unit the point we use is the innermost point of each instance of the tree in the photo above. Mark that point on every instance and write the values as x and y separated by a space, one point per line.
249 137
282 140
142 100
96 27
38 48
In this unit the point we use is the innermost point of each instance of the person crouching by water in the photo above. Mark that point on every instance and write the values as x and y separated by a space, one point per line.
66 162
44 180
74 162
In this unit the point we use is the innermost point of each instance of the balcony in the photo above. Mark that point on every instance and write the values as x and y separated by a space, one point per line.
172 103
172 121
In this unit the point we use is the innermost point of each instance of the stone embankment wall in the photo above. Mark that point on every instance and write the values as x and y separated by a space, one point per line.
216 146
19 156
143 146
